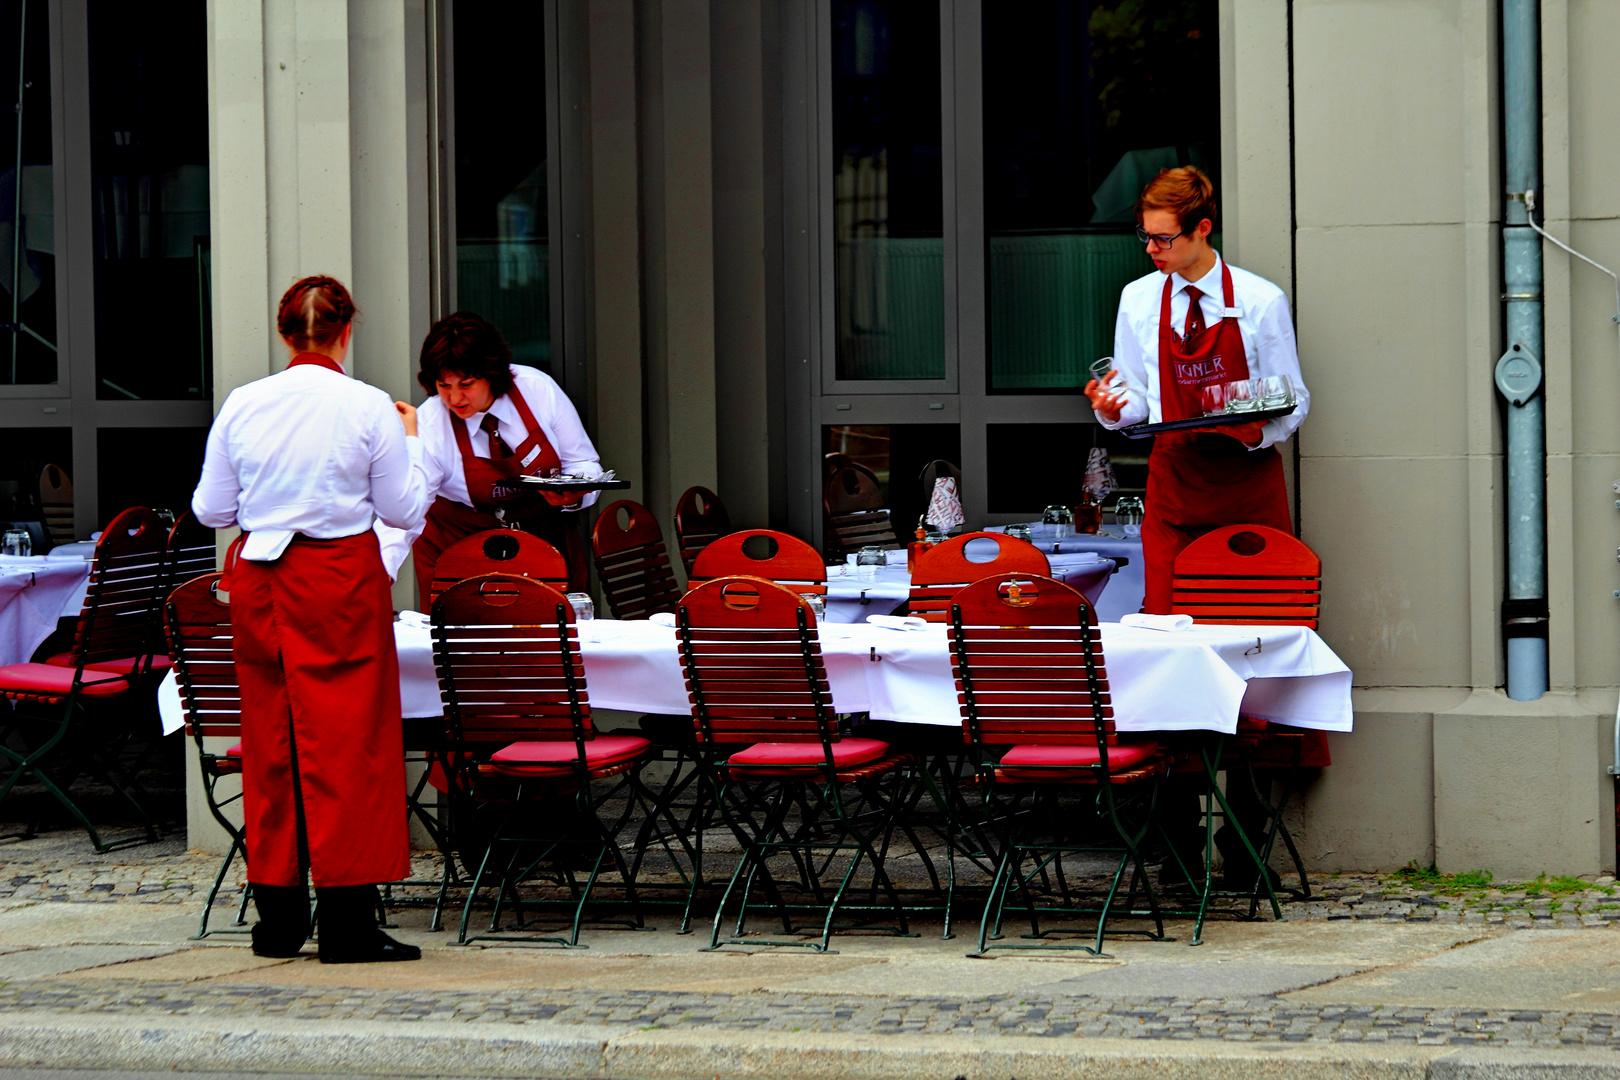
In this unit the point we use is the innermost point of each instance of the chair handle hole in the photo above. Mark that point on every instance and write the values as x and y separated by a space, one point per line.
498 593
502 548
739 596
761 548
1246 543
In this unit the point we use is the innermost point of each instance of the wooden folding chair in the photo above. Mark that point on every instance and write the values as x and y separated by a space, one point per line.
700 519
198 619
786 560
632 563
498 551
189 551
56 498
944 570
519 727
856 516
754 675
1257 576
111 655
1030 677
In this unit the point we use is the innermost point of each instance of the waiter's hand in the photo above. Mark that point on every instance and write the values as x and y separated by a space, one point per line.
407 416
1104 402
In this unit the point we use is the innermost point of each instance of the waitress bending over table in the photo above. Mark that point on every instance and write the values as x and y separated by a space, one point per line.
490 422
303 461
1197 322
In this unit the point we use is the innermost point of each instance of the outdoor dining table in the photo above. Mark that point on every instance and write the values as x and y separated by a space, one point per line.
35 592
850 599
1128 585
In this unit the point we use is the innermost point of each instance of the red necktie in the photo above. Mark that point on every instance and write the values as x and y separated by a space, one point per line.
497 445
1195 315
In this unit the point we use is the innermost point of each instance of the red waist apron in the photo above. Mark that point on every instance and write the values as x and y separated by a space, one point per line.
501 500
323 777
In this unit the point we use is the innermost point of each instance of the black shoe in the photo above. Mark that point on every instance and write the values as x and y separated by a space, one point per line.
274 946
377 948
283 924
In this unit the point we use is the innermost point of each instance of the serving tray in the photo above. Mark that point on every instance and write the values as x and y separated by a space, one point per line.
575 485
1143 431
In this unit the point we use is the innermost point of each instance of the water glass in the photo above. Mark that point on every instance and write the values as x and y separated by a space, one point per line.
1240 397
1276 392
1214 399
818 604
1128 511
867 562
1100 369
1061 520
16 542
1019 531
584 607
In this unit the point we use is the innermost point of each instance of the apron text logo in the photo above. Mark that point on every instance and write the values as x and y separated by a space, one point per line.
1193 372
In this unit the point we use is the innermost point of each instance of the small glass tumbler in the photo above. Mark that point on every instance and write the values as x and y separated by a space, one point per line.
1240 396
1276 392
584 607
1061 519
1100 369
818 604
1019 531
1128 511
16 542
867 561
1214 399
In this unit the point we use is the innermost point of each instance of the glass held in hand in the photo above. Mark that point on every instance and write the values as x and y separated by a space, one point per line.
867 561
1276 392
1240 396
1214 399
584 607
16 542
818 604
1100 369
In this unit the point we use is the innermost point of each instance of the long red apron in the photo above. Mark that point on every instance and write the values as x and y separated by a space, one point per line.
493 486
323 776
1202 481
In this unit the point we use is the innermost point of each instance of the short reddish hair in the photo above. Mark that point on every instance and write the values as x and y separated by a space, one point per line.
464 344
1186 192
314 312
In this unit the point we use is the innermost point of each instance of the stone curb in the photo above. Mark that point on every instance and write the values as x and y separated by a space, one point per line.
578 1052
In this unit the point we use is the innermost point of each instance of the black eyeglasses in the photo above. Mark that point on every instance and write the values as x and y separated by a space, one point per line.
1163 241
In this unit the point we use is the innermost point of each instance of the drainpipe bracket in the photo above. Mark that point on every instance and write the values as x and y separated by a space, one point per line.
1518 374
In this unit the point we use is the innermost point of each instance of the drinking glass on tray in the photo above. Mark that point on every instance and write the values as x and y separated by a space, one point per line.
1240 396
1276 392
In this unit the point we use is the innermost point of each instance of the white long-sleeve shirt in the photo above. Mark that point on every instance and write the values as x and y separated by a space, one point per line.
310 451
442 457
1268 341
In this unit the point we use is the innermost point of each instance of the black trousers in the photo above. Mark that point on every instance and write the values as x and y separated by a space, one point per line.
347 912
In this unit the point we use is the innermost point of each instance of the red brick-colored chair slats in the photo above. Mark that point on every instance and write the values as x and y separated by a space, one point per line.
126 576
1248 574
748 675
700 519
856 516
794 563
632 562
1019 646
498 551
199 630
944 570
190 550
507 652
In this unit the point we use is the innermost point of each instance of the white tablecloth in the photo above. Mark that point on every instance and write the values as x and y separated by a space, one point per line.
1125 589
36 591
851 600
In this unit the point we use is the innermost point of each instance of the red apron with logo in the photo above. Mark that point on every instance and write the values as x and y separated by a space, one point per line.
501 500
1200 481
323 760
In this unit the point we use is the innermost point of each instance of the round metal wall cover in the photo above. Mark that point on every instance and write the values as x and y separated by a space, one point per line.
1518 374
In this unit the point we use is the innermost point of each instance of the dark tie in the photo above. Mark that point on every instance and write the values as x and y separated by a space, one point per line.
497 445
1195 315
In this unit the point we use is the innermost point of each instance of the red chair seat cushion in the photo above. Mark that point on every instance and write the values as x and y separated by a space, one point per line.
847 753
1042 761
160 662
47 680
234 751
556 757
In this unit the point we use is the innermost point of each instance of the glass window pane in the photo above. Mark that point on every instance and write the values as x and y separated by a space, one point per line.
888 210
27 195
502 259
897 455
1015 488
149 160
125 476
1083 103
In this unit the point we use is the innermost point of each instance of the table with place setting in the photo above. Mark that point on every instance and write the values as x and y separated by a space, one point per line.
35 592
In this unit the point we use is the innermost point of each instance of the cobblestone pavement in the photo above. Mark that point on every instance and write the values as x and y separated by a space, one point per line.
1263 1019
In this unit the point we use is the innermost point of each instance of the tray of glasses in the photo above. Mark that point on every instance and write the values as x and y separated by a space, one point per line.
605 482
1143 431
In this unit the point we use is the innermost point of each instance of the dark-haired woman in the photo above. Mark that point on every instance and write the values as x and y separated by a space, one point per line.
489 422
303 461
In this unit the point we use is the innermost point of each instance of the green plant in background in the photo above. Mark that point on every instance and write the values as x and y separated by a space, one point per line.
1429 878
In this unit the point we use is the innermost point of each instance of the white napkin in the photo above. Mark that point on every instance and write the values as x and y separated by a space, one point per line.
1168 623
662 618
416 619
898 622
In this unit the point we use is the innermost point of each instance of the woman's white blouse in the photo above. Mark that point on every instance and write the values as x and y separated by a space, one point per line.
442 457
1268 340
308 451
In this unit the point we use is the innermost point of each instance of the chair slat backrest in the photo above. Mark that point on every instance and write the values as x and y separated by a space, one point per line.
700 519
126 586
944 570
56 499
632 562
794 564
198 620
507 653
856 516
1248 574
1028 662
753 664
498 551
190 551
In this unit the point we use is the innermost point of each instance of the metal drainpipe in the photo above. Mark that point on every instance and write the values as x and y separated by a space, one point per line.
1518 373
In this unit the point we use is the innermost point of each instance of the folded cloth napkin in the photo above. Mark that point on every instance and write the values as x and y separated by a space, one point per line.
1169 623
898 622
414 618
662 618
